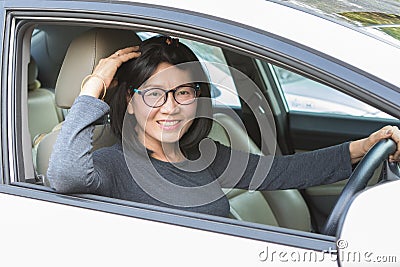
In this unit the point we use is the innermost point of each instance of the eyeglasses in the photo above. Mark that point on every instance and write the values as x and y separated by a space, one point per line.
156 97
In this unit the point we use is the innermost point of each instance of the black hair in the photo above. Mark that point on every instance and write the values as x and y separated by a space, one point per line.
133 73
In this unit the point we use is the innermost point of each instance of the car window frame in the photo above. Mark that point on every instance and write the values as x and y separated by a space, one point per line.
315 241
250 230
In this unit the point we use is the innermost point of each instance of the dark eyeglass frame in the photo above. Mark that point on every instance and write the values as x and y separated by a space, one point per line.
195 87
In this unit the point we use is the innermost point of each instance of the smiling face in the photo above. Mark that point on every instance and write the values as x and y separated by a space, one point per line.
165 125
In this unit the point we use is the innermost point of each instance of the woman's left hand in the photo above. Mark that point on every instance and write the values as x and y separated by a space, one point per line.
360 147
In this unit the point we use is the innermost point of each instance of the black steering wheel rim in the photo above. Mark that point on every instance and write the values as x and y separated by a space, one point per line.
358 181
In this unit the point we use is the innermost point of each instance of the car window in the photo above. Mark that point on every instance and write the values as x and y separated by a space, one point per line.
250 84
303 94
223 85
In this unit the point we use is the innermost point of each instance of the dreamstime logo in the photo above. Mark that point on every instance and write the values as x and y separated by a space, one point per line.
167 190
342 244
342 254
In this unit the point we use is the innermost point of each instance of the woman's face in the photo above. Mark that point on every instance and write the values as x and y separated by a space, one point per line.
169 122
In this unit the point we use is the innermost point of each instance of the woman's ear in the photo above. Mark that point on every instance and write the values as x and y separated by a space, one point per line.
130 108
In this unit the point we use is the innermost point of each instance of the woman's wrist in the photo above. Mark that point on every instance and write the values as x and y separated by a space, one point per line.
93 85
357 151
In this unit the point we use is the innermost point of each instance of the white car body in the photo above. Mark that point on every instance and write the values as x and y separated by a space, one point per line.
295 25
73 235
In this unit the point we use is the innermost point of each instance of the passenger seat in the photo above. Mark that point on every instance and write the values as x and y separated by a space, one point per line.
82 55
43 114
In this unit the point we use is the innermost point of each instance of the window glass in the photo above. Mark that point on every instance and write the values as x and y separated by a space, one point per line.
223 95
303 94
298 90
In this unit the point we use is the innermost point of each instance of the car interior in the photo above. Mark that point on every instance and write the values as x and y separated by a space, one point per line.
62 55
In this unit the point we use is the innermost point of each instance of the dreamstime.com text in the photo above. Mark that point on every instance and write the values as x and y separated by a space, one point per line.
344 255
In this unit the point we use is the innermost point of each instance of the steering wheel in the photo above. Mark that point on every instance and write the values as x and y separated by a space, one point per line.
358 181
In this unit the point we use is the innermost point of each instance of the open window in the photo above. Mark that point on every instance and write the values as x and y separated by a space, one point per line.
37 58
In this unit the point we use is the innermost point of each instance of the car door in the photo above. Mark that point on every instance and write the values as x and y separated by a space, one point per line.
95 230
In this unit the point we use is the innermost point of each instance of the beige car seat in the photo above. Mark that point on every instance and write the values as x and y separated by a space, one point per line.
43 114
283 208
82 56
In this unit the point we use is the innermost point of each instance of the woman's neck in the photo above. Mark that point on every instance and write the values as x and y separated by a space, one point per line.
168 153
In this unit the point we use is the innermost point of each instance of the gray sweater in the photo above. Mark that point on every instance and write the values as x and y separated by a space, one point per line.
125 171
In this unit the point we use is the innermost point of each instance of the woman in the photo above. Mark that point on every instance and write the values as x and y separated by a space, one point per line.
160 159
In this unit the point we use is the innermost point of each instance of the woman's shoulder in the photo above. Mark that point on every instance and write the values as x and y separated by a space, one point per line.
222 149
111 152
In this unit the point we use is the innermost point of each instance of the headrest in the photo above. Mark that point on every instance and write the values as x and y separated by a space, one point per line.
82 56
33 82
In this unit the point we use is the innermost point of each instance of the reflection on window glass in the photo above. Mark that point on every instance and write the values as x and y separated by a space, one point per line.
380 24
219 72
303 94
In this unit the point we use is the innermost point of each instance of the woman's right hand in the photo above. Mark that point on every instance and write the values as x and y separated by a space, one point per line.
106 70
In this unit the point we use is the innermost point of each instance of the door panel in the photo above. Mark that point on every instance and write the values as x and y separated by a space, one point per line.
310 131
64 233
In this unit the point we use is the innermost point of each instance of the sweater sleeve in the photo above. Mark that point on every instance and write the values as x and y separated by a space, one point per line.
299 171
71 168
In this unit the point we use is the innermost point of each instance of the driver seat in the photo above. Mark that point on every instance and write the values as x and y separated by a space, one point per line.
284 208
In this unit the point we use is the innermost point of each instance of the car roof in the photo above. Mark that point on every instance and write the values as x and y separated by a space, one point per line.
379 19
338 40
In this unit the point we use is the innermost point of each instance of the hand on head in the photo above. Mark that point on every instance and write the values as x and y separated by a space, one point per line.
102 76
